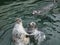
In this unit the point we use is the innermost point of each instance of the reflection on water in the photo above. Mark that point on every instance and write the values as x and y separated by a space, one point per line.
49 23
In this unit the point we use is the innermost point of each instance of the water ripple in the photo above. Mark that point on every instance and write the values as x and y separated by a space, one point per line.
48 22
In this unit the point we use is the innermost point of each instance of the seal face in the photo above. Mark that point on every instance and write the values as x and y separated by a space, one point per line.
32 25
18 20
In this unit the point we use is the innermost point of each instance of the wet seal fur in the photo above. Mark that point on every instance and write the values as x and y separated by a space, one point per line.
19 33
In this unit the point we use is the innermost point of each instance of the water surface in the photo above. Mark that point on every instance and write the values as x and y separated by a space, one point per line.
49 22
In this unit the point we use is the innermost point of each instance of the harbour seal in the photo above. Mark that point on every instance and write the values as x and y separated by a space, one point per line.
19 33
39 36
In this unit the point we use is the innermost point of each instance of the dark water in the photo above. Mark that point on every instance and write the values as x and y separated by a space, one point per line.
49 22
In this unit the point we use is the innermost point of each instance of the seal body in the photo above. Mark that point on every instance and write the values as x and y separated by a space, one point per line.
38 36
19 34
